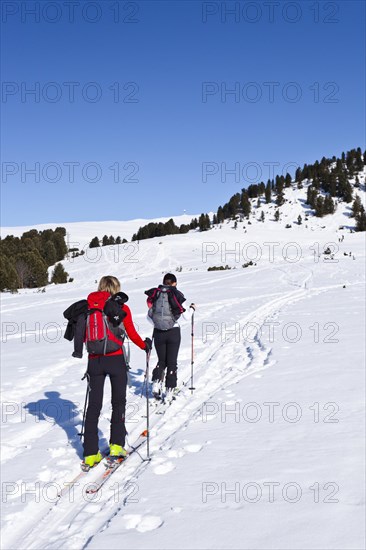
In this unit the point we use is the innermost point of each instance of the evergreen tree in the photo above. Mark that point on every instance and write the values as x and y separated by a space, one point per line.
312 194
319 207
280 199
361 220
8 276
105 240
124 241
288 180
112 240
329 206
268 192
356 207
204 222
60 244
214 221
50 254
94 243
348 192
220 216
118 240
31 270
298 174
245 204
184 228
59 275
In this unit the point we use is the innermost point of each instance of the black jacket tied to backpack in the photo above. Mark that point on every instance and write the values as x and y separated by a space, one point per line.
75 330
76 314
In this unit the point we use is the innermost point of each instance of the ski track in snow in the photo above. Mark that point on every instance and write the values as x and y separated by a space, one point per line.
73 524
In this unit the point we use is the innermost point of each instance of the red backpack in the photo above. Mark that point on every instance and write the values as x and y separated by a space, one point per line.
104 327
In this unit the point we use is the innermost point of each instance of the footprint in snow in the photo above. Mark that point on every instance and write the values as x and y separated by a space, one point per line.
142 523
193 448
164 468
175 453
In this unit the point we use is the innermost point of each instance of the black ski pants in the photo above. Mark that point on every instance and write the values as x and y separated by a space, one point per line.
167 343
98 369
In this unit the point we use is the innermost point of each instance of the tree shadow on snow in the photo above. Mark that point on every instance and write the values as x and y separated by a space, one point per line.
63 413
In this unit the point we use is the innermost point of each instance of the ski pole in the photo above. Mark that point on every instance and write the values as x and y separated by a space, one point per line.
86 375
146 381
192 346
147 407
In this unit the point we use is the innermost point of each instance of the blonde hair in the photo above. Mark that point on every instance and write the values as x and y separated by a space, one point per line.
110 284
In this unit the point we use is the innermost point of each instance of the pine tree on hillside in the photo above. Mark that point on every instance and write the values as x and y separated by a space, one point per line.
31 270
8 276
329 206
59 275
245 204
280 199
268 192
356 207
94 243
204 222
118 240
361 220
312 194
193 224
319 207
50 255
288 180
220 215
105 240
60 245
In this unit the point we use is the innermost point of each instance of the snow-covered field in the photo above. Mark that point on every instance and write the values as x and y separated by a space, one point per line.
268 451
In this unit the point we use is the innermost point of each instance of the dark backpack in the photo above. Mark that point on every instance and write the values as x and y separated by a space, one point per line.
104 332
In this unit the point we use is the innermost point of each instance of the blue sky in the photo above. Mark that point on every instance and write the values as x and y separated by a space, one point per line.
171 130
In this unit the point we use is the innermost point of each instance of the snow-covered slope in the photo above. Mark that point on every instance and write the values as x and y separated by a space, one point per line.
266 453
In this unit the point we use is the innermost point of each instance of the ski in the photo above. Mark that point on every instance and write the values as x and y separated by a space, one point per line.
81 475
112 465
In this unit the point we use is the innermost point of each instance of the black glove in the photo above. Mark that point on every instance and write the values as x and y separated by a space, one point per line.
120 298
148 344
114 312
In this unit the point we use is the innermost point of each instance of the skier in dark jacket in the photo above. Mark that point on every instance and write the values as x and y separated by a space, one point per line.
112 364
165 308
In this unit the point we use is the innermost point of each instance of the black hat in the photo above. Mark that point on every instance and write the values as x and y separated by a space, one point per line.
169 279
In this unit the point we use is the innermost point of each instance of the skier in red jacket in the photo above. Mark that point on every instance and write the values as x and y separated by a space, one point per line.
114 365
